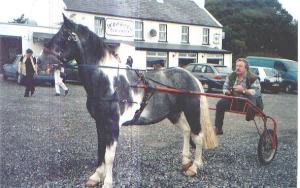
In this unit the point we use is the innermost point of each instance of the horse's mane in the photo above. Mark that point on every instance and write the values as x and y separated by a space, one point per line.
92 42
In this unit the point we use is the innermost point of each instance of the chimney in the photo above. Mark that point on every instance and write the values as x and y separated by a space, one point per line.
200 3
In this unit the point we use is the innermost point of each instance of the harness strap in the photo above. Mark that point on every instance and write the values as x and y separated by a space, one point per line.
149 91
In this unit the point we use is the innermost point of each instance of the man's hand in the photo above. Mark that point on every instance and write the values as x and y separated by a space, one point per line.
238 88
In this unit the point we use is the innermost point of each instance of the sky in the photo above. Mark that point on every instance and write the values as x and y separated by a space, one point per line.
45 12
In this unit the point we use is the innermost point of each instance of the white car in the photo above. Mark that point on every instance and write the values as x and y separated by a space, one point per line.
270 78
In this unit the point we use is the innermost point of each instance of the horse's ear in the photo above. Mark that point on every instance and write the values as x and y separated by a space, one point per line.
67 22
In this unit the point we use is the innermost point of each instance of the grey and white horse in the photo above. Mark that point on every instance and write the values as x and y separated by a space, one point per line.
112 102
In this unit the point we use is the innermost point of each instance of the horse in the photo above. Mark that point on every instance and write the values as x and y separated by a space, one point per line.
112 101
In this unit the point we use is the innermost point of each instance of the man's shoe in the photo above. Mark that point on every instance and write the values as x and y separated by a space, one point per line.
66 92
218 131
26 95
57 94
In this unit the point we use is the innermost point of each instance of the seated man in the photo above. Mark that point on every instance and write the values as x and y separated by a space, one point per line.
241 83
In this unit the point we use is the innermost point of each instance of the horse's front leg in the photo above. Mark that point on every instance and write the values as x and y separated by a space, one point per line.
108 132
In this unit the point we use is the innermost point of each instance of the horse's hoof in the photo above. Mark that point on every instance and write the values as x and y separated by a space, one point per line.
190 173
91 183
187 166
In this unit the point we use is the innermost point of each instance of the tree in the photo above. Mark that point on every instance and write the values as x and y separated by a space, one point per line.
255 27
20 20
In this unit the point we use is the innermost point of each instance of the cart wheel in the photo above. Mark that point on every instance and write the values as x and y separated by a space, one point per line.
265 151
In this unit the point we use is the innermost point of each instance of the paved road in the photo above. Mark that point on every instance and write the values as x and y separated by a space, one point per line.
49 141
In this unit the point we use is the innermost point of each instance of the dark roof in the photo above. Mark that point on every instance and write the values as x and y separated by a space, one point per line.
177 11
139 45
39 35
167 47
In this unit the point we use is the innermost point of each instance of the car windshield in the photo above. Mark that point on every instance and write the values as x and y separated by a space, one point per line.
223 69
271 72
189 67
292 65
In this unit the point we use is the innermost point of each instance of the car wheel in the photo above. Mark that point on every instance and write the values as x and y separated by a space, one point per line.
4 77
288 88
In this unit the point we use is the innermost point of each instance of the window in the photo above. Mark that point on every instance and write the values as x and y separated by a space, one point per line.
186 58
215 59
216 38
199 68
153 57
189 67
254 70
185 34
209 70
163 32
205 36
139 30
99 26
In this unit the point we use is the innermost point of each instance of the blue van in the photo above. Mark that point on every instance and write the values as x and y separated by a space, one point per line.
288 70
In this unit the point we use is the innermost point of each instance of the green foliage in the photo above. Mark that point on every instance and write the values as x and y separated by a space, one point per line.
256 27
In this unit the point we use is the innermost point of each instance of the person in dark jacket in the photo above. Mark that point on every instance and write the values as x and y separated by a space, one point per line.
28 67
241 83
129 61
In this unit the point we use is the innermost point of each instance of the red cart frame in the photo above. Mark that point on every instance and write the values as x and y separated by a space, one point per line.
267 145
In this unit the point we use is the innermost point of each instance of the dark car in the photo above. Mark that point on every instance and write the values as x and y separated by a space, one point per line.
211 76
11 71
71 71
45 75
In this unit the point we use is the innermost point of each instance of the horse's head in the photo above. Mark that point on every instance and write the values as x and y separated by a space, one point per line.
64 46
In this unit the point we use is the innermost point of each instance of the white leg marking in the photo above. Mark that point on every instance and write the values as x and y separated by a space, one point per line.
99 175
109 159
183 124
198 140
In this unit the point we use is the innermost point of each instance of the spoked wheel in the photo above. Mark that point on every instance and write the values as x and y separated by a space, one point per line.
267 146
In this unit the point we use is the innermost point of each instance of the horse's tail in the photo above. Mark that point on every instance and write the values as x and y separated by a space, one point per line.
210 139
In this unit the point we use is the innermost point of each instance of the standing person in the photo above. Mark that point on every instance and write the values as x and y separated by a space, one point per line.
58 72
27 68
241 83
129 61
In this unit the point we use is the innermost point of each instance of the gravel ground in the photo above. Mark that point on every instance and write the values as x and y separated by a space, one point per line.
49 141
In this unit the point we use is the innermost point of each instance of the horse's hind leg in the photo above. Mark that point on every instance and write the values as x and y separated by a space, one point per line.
180 121
192 114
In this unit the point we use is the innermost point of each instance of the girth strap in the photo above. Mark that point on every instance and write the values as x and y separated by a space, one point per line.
149 91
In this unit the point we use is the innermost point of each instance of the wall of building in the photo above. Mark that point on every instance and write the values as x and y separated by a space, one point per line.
26 33
173 30
228 60
139 57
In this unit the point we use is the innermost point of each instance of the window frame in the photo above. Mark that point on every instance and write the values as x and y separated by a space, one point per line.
157 54
136 30
205 36
166 33
101 19
185 34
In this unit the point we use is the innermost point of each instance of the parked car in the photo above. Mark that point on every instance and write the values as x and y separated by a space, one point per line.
270 78
288 70
211 76
10 71
71 71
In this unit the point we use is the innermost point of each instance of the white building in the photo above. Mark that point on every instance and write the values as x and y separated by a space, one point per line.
175 31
